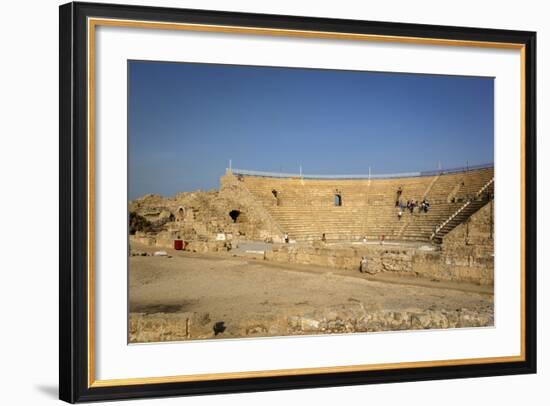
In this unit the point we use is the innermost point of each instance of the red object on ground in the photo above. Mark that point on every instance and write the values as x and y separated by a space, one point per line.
178 244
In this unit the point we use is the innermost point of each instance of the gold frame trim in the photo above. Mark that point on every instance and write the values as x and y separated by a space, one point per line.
94 22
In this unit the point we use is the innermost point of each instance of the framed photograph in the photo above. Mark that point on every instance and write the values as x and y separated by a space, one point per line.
259 202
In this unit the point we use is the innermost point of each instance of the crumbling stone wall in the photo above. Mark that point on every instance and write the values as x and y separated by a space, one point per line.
435 265
469 249
259 222
380 258
202 216
188 326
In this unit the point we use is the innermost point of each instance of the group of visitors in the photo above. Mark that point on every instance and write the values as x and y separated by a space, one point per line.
423 207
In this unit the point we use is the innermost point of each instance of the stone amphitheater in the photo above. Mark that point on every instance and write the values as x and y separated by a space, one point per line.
312 223
349 209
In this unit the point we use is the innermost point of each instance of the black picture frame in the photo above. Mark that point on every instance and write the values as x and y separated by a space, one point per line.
74 383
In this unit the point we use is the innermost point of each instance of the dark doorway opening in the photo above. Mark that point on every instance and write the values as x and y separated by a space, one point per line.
234 214
180 215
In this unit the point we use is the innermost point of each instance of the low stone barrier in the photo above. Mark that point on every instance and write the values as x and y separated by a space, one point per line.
437 265
186 326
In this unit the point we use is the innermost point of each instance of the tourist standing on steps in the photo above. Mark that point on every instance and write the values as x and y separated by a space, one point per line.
398 196
425 205
399 214
286 238
324 238
412 206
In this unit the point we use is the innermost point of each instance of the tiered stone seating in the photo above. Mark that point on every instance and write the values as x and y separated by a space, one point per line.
305 208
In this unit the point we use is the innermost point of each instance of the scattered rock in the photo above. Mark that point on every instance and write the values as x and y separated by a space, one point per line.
254 330
310 324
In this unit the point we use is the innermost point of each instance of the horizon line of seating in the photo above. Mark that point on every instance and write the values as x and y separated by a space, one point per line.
267 174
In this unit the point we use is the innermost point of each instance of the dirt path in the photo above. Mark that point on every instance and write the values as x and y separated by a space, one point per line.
239 291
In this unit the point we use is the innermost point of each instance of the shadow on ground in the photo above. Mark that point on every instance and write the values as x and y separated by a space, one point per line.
52 391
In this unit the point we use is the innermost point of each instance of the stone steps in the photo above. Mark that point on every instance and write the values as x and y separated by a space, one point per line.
306 209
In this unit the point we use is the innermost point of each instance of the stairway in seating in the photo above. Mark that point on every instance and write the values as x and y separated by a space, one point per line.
306 210
464 212
430 186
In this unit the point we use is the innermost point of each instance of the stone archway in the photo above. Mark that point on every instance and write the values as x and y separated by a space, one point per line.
235 215
180 213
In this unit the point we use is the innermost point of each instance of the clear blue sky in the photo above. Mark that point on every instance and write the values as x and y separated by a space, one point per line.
187 120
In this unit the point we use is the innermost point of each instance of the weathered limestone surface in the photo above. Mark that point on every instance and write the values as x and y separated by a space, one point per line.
466 254
468 250
259 222
186 326
380 258
169 327
199 217
306 209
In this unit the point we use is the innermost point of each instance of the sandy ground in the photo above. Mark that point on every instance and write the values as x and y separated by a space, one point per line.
235 289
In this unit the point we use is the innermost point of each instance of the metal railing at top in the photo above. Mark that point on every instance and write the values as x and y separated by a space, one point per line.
247 172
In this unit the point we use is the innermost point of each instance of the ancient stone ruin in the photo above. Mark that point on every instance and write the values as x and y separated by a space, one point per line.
333 222
274 254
